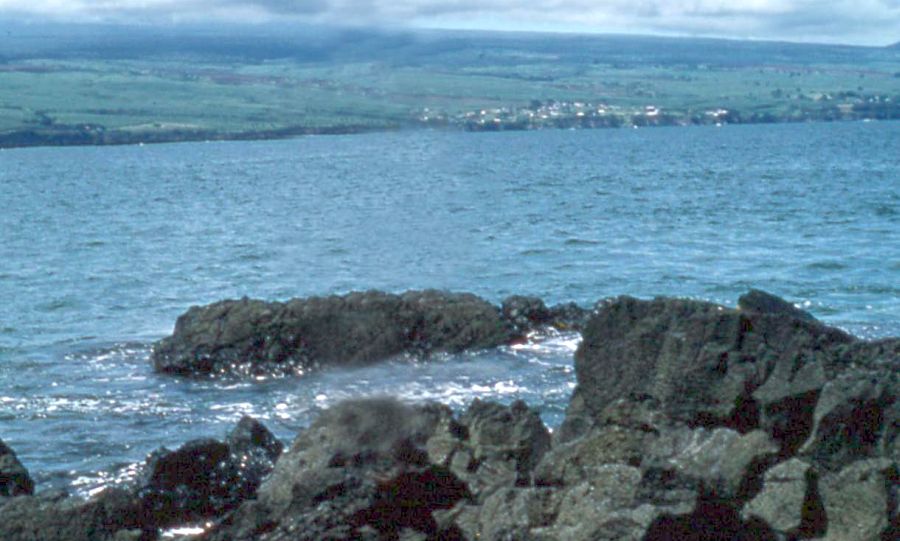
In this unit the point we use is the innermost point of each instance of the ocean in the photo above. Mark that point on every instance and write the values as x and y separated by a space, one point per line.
101 248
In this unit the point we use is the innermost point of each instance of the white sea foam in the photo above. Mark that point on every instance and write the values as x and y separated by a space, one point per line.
181 531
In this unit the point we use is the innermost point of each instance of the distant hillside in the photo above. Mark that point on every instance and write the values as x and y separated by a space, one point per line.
316 44
101 84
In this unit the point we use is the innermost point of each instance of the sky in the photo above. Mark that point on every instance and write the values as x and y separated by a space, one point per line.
857 22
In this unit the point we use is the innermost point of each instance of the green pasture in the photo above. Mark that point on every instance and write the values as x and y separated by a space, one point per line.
242 96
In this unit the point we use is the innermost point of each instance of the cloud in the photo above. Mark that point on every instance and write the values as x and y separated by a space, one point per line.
850 21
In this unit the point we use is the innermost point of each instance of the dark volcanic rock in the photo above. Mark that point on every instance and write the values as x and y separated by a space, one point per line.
696 396
202 480
526 313
760 302
704 364
112 515
689 421
506 433
250 336
857 416
206 478
360 471
14 478
529 314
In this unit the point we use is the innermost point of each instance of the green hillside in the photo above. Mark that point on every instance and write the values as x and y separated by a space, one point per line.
105 84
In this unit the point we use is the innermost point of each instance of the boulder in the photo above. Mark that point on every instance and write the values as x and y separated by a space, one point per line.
787 499
611 505
707 365
206 478
359 471
526 313
255 337
113 514
859 501
504 438
530 314
857 416
719 461
14 478
761 302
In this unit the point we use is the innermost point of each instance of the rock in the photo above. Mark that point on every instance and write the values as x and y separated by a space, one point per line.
857 416
526 313
513 513
717 461
760 302
569 316
689 421
571 462
614 503
14 478
255 337
359 471
711 520
530 314
703 363
784 497
111 514
500 435
856 501
206 478
254 450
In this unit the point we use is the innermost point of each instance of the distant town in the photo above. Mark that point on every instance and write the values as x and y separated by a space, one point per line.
579 114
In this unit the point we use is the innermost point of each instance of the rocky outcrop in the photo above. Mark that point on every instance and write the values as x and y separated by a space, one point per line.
112 515
361 471
530 314
203 479
250 336
380 469
707 365
14 478
760 416
689 421
206 478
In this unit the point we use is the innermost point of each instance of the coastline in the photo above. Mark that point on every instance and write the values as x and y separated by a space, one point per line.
88 135
752 423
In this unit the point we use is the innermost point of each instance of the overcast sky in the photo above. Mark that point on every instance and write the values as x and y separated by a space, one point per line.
863 22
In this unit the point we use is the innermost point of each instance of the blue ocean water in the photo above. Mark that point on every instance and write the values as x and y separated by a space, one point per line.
102 248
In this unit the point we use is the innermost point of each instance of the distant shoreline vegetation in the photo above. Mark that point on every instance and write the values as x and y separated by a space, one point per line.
107 85
486 121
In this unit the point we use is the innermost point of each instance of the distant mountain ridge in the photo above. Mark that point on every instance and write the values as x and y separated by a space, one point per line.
324 43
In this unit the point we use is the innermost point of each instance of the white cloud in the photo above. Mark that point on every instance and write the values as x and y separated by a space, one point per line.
849 21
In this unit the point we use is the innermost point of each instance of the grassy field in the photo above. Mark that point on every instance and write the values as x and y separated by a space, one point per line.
97 85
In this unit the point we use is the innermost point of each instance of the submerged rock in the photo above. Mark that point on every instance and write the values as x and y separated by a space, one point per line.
14 478
250 336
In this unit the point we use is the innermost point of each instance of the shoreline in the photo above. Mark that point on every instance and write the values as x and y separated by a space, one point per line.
94 136
758 422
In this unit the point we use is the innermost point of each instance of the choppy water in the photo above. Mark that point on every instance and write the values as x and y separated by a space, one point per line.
102 248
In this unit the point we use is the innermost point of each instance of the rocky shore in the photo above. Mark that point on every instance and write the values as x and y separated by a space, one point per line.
689 421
